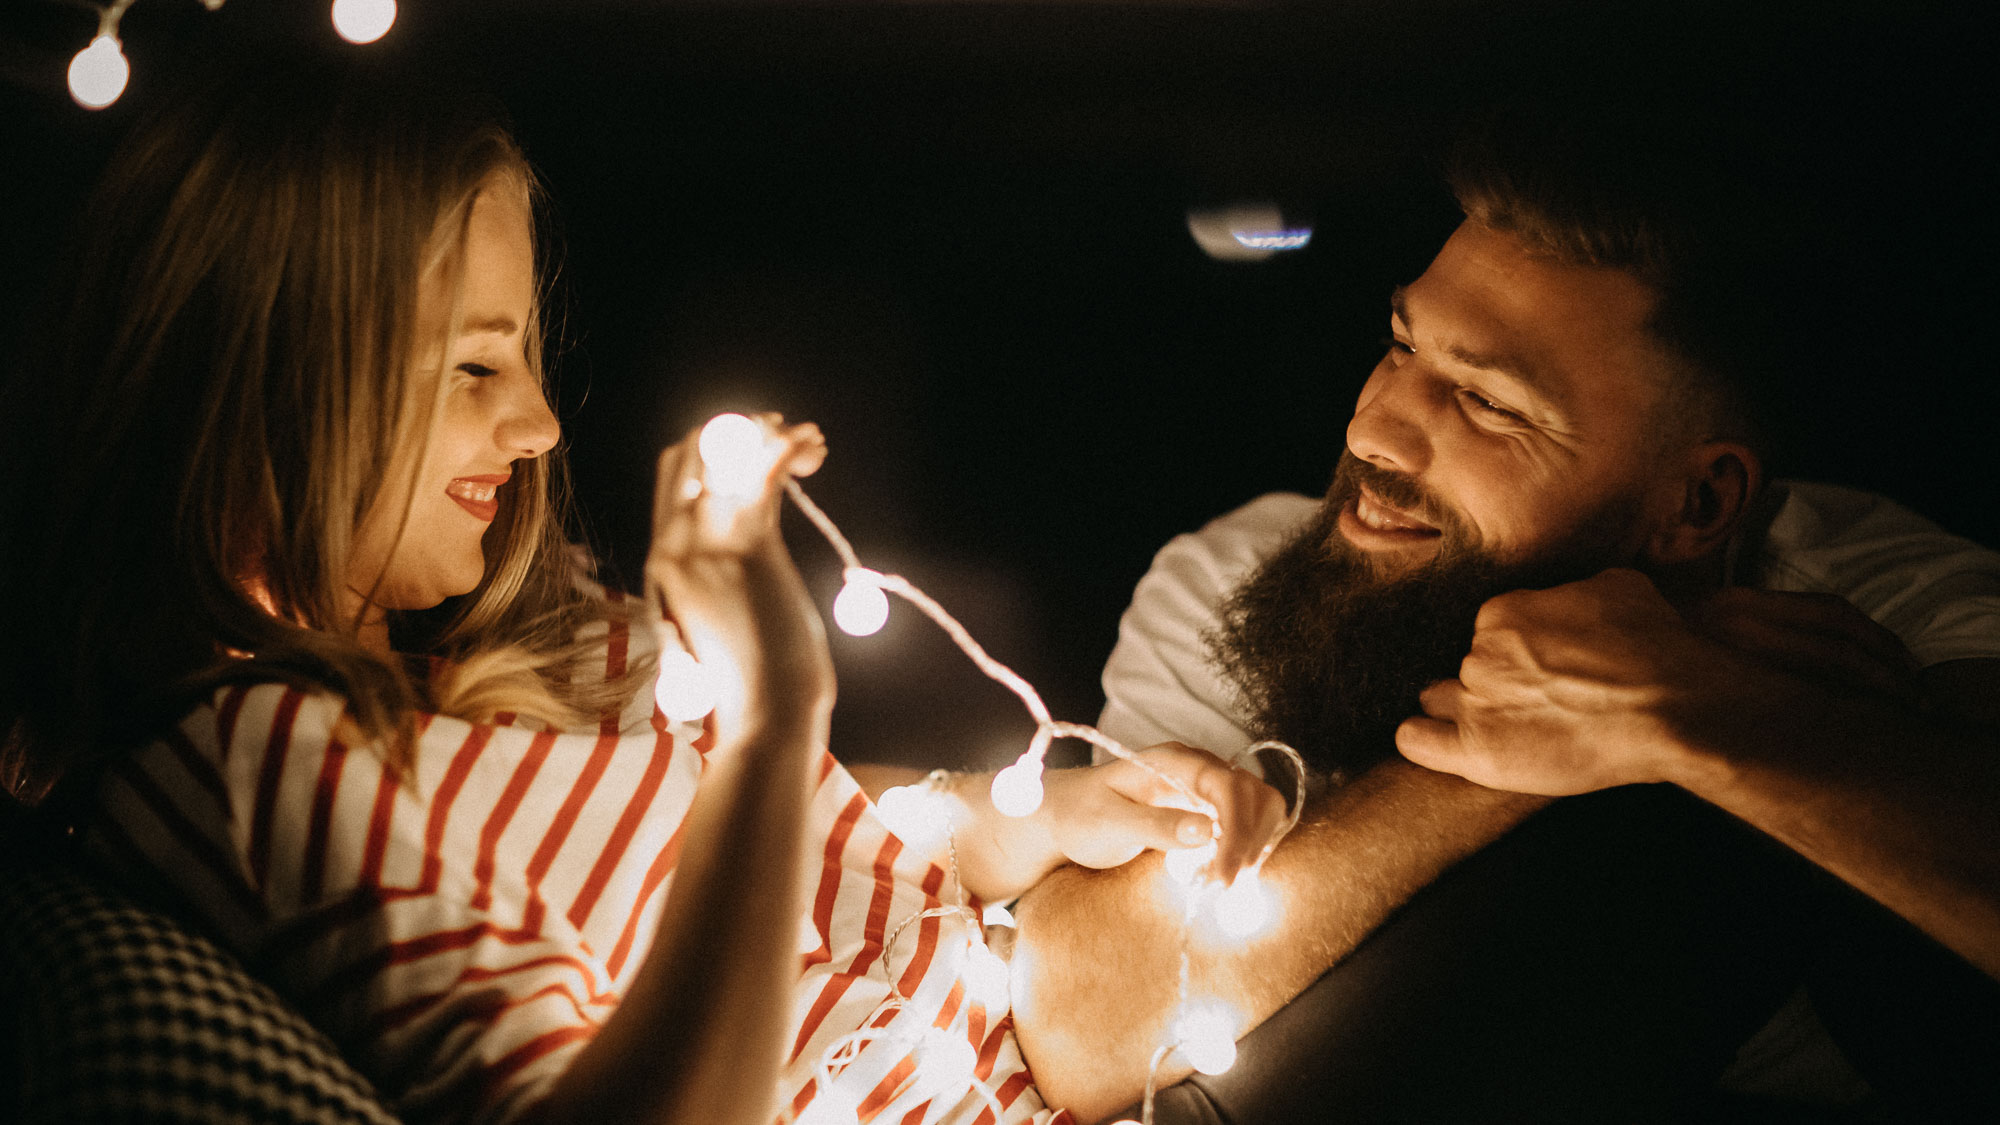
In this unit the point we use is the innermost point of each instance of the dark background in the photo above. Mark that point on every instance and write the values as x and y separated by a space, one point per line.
954 234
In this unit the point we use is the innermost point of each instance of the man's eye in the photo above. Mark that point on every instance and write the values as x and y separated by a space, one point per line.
477 370
1480 404
1391 344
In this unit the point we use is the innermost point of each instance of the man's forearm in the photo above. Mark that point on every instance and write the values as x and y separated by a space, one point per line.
1096 967
1900 806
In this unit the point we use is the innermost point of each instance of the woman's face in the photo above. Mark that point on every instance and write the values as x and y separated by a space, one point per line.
491 414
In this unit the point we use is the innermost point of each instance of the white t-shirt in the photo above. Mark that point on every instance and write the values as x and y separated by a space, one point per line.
1936 591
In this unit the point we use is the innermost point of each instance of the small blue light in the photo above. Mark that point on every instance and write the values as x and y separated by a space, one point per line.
1274 239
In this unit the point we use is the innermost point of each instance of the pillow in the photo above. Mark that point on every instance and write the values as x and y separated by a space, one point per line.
120 1014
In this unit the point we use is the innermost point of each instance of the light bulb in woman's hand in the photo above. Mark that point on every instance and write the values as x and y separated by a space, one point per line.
736 455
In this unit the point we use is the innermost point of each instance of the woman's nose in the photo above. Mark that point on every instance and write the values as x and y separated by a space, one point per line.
530 429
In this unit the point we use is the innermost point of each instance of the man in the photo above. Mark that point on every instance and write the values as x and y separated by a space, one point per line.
1538 573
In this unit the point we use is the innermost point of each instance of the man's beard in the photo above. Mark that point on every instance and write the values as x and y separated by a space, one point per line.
1329 655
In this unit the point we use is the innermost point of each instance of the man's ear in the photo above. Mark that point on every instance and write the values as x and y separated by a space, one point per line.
1717 481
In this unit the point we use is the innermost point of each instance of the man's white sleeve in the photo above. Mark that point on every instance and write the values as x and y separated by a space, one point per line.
1936 591
1159 685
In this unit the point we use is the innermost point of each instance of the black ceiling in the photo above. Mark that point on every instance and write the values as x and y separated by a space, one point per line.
954 232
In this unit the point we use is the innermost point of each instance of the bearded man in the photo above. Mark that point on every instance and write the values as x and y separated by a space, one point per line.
1549 564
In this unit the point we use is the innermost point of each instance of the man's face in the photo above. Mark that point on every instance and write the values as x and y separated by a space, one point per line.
1516 399
1503 442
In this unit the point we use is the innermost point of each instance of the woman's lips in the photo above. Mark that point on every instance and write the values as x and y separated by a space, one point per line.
1368 523
478 495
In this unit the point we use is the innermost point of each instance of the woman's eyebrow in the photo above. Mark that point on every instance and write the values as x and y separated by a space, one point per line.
497 325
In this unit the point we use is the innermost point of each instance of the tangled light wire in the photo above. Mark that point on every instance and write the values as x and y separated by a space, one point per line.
737 453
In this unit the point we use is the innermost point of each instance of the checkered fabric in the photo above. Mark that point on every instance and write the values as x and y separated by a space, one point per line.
119 1014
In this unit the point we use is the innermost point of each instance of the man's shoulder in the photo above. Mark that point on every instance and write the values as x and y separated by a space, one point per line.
1226 547
1939 592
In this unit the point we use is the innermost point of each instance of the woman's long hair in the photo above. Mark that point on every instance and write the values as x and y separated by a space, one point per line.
218 411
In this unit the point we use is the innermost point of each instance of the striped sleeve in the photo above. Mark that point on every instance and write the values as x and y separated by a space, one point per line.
461 934
463 931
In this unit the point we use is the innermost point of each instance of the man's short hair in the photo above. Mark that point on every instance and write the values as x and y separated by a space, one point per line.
1697 212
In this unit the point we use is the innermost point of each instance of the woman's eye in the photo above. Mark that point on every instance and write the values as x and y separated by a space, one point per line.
477 370
1480 404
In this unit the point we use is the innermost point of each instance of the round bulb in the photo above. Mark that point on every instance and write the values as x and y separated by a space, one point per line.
987 977
1017 790
830 1106
1187 864
1210 1056
945 1062
861 608
686 691
1207 1037
1245 908
363 21
734 456
98 73
996 915
912 814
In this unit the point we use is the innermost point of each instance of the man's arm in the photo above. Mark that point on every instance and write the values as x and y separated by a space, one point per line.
1788 711
1096 965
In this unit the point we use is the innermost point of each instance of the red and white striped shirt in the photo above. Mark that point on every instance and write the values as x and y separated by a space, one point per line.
463 935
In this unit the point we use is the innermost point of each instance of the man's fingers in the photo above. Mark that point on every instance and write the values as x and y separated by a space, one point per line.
1812 635
1823 614
1430 743
1441 700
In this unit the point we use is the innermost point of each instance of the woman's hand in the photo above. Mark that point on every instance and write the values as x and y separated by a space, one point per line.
1104 815
719 571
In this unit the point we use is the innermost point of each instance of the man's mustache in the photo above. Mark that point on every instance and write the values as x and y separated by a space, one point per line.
1398 490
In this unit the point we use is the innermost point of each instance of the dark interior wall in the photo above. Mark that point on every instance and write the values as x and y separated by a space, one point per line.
955 235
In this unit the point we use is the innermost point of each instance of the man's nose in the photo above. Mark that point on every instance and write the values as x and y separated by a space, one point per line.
1387 429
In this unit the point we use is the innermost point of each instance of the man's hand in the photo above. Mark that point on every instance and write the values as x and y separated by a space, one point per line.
1565 690
1603 682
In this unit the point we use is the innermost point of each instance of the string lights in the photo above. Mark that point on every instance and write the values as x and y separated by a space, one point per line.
363 21
737 453
98 73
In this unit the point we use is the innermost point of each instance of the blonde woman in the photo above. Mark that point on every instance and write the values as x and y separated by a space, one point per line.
294 633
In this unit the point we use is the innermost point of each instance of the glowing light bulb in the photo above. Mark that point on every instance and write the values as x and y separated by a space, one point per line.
1017 790
916 815
861 608
996 915
987 977
1245 908
734 455
947 1057
363 21
830 1106
1187 864
686 691
98 73
1206 1036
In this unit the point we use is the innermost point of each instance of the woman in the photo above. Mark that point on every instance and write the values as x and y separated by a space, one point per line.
299 639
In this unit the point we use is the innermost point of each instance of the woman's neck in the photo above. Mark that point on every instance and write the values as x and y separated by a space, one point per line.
371 622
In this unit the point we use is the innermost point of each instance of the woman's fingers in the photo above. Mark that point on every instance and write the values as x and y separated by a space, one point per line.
1238 812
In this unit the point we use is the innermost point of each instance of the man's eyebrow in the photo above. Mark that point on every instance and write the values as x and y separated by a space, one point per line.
498 325
1503 365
